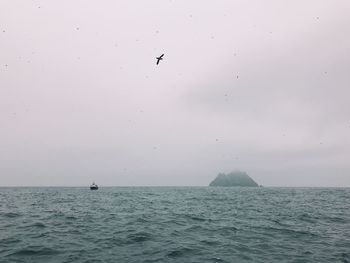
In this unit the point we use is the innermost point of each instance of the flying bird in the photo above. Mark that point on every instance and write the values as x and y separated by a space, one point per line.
159 58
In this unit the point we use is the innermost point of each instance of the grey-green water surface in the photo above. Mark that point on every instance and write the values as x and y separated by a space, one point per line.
174 224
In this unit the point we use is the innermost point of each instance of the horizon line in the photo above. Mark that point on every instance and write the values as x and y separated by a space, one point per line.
109 186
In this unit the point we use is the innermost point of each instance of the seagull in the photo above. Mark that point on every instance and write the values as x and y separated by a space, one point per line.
159 58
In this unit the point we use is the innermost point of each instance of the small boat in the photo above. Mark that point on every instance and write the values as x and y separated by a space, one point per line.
93 186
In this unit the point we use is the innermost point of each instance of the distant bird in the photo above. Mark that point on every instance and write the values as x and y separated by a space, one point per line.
159 58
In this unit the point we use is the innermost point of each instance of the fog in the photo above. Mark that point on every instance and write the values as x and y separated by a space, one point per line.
256 86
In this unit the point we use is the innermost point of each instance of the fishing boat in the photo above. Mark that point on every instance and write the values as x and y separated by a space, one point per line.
93 186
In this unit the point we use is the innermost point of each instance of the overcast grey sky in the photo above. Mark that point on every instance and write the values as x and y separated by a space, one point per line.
260 86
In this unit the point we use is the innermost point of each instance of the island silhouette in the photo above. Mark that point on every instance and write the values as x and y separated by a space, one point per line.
236 178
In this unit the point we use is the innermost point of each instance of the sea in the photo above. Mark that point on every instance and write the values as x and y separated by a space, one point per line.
174 224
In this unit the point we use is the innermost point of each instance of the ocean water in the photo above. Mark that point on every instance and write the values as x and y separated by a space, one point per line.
175 224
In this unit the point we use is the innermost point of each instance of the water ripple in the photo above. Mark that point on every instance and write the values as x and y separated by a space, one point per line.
198 224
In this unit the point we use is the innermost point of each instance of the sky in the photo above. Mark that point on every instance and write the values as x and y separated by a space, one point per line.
257 86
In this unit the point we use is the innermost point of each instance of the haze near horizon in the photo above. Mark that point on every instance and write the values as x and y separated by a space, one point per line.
261 87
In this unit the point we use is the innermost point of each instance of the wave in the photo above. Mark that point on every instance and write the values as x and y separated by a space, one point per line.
130 225
11 215
35 251
139 237
180 252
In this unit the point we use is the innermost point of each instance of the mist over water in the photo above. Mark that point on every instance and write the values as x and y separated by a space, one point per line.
174 224
257 86
171 93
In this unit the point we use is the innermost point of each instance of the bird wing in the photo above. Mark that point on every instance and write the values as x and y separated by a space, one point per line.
157 61
161 56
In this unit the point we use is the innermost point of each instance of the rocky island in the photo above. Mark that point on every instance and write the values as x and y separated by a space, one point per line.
237 178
